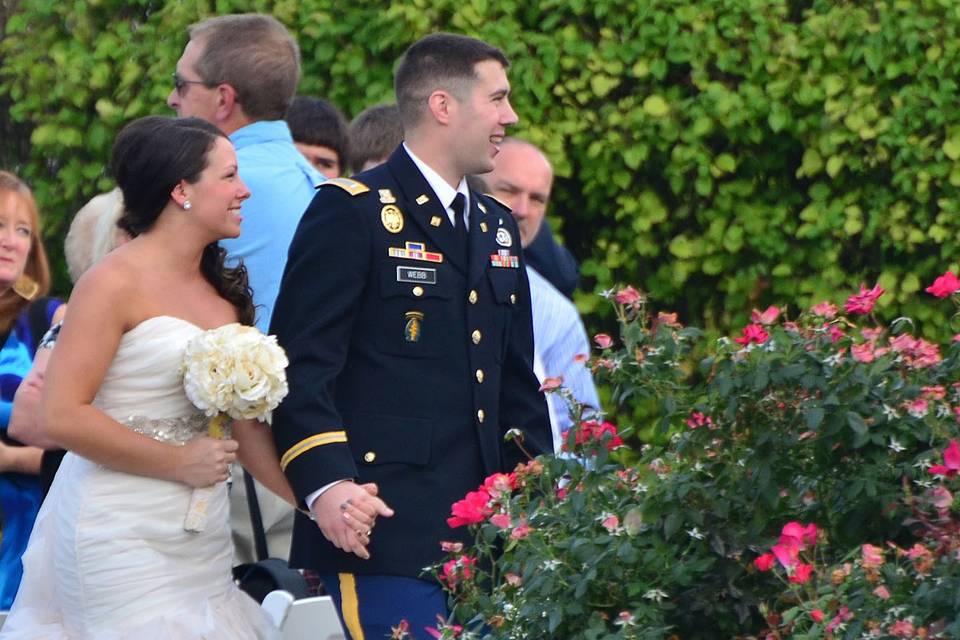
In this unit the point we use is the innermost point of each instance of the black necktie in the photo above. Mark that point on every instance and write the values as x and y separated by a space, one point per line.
461 224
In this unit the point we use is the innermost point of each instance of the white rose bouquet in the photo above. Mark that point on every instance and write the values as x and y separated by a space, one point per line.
233 371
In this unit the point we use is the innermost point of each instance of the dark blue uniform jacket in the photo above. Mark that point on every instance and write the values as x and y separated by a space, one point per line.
409 360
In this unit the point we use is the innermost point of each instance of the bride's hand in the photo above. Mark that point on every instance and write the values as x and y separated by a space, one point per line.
205 461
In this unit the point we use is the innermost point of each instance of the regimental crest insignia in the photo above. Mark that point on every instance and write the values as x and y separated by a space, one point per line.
392 218
413 328
504 239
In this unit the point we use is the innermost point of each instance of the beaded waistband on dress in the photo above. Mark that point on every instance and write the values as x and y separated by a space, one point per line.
172 430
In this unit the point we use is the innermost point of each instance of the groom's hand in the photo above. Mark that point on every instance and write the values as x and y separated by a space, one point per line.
346 513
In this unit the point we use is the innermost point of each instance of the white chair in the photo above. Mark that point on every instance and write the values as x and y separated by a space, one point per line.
277 605
304 619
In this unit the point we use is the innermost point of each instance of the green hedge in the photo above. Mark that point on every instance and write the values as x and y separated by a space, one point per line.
721 154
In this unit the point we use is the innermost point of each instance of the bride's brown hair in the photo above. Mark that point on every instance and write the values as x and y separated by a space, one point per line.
150 156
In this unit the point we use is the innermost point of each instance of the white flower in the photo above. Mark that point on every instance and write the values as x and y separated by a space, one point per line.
655 594
890 413
695 534
896 446
550 565
832 361
236 370
923 464
943 411
926 484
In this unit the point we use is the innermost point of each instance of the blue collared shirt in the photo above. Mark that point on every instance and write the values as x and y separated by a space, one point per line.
559 336
282 183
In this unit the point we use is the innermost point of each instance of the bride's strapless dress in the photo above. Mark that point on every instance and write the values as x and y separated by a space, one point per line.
109 558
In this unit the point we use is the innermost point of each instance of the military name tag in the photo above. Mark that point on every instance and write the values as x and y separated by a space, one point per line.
503 259
417 274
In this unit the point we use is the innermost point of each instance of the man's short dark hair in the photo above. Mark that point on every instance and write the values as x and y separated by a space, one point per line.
374 134
316 121
438 61
255 55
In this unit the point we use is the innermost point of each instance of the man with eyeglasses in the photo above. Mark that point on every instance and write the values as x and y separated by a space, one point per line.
240 73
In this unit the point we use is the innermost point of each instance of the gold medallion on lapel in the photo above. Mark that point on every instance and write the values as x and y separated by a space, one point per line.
392 218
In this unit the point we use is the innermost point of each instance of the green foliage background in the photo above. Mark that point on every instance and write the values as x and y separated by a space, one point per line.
720 154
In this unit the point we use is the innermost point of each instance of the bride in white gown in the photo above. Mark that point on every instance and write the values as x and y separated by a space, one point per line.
109 557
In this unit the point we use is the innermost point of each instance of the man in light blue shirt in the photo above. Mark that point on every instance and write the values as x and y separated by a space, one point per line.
522 179
240 73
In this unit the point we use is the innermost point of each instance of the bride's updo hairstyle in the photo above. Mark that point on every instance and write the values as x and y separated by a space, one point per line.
150 156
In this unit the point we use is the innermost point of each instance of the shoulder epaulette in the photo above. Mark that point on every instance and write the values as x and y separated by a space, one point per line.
352 187
498 202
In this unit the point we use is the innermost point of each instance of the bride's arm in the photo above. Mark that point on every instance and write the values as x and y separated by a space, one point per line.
95 322
258 455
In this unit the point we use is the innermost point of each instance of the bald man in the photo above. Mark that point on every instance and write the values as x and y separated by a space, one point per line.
522 179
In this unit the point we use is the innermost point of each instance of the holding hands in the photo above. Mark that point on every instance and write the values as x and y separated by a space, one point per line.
346 514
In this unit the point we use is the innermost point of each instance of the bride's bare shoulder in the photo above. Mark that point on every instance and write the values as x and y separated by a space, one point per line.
113 279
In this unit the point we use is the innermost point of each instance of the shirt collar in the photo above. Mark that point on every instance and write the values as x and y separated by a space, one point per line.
261 131
441 187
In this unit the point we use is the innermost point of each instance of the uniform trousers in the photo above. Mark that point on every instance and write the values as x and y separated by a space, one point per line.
370 606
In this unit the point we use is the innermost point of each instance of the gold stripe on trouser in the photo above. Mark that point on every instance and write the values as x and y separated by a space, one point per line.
350 606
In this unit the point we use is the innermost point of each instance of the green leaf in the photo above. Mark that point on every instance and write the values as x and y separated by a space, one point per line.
656 106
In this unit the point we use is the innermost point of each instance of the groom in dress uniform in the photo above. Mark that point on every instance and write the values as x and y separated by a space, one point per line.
405 312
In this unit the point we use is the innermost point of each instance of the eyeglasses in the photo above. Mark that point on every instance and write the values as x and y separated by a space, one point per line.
179 83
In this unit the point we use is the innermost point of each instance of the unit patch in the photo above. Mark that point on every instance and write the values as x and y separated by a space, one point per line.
504 239
413 328
420 275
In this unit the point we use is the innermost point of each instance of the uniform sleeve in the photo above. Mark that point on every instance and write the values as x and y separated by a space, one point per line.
326 273
522 404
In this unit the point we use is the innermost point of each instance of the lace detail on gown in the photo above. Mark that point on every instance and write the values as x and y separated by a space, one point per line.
108 558
177 431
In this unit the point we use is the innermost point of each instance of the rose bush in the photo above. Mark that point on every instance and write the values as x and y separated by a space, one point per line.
827 422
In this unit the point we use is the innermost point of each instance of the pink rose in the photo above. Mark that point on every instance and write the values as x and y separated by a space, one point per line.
473 509
941 497
862 352
882 592
603 340
863 302
522 530
752 333
628 296
500 521
872 556
611 523
798 534
787 554
944 286
951 461
817 615
824 310
765 317
801 573
764 562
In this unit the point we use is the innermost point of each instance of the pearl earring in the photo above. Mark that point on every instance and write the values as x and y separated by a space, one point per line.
186 205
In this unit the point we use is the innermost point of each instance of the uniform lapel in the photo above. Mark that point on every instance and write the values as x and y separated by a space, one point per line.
424 207
483 232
